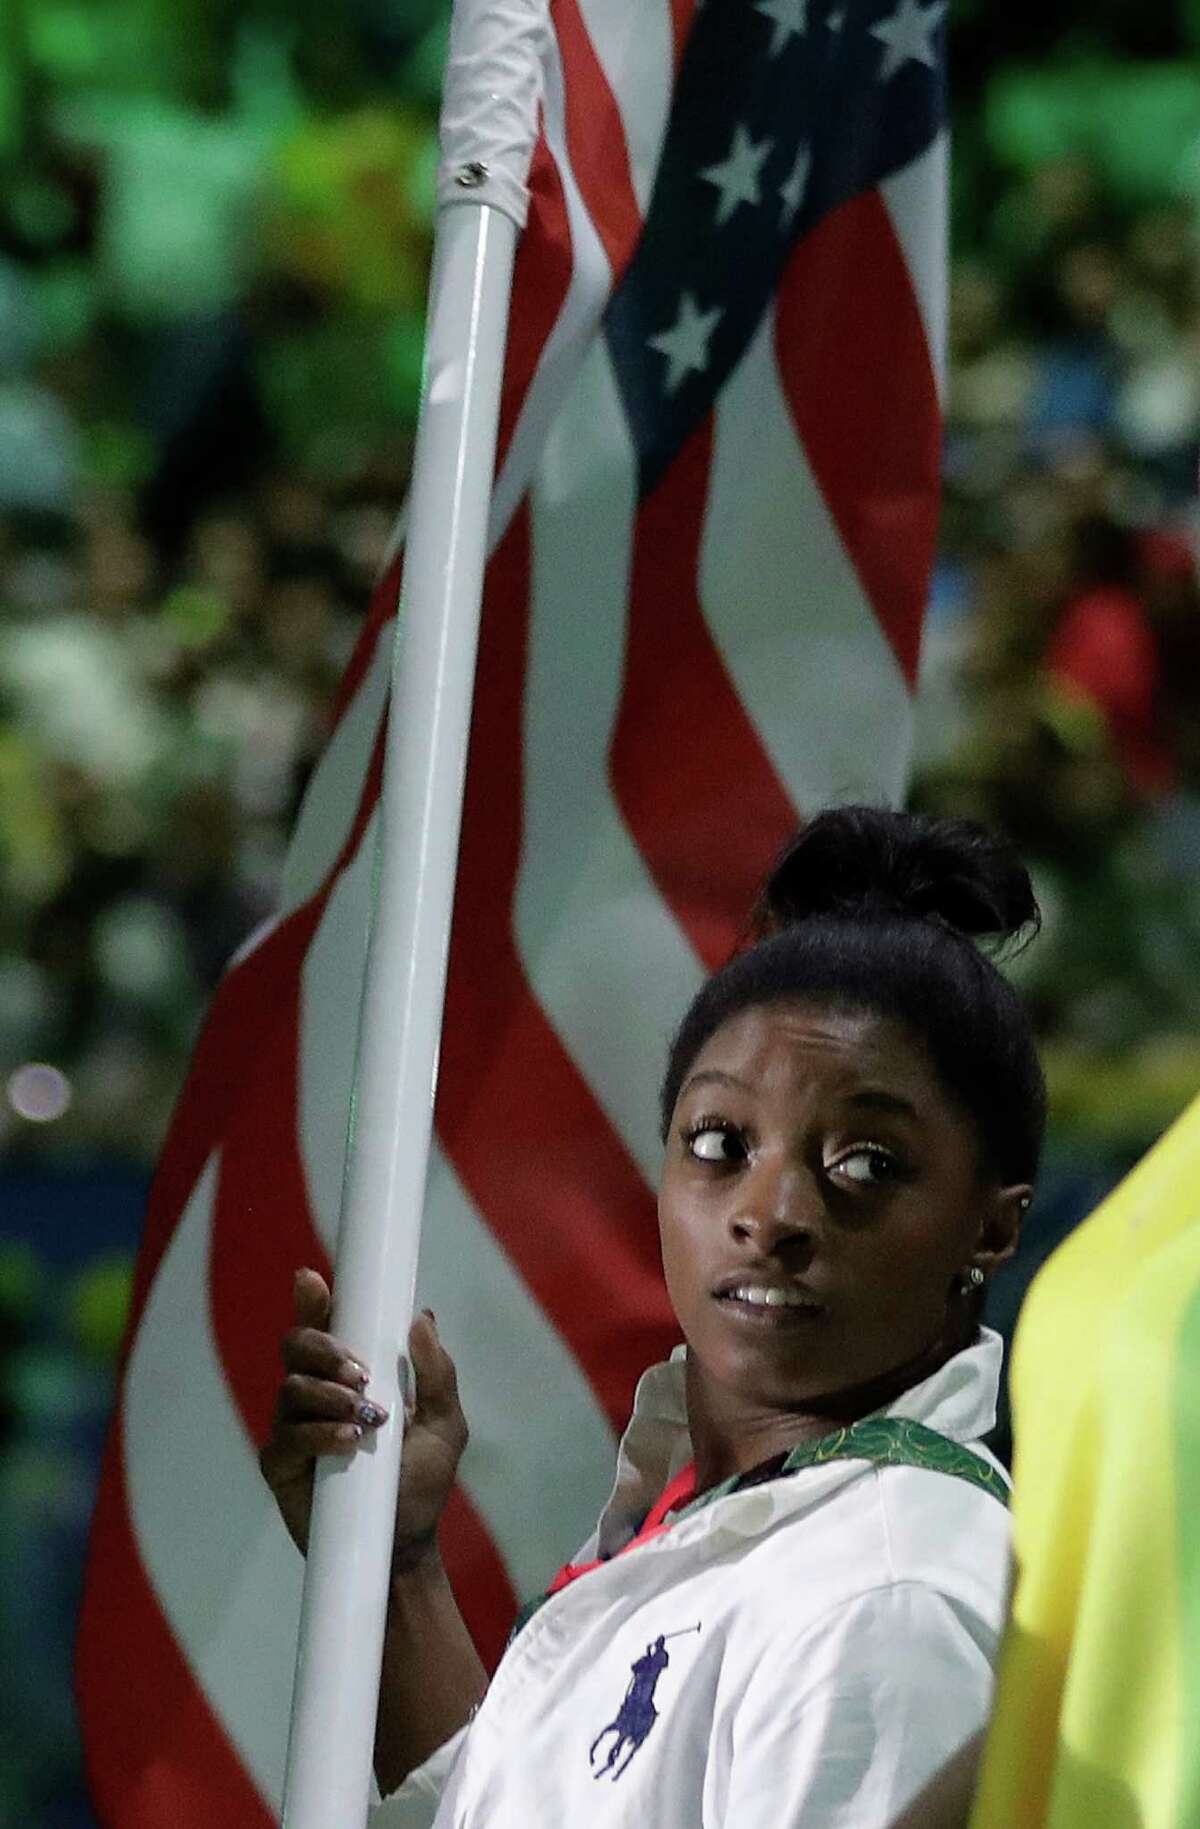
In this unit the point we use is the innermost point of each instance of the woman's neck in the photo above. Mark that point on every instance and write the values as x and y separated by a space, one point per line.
731 1433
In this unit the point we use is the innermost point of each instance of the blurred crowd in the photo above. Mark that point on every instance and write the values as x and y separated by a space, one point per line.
1061 693
210 331
215 221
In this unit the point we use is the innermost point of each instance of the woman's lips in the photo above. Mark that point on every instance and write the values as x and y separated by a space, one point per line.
770 1305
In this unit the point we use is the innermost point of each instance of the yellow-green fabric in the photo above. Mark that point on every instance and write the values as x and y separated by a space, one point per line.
1097 1718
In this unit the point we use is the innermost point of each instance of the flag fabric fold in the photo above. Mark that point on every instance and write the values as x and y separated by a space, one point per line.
711 537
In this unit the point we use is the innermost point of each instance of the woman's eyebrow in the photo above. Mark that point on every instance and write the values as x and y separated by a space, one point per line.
877 1098
712 1076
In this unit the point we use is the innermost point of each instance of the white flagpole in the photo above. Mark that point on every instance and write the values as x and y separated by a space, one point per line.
489 120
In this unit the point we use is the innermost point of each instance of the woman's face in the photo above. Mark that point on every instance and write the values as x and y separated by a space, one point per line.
820 1200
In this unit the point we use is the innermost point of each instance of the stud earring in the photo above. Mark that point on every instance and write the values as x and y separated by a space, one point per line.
972 1277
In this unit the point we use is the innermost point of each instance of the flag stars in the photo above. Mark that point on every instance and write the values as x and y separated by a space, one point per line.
685 345
788 17
737 177
908 36
794 185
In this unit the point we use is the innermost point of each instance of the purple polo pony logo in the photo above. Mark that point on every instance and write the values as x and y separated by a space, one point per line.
637 1713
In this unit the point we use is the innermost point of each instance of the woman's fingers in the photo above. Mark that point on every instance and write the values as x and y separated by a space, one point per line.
437 1381
312 1298
308 1348
293 1447
321 1408
325 1379
318 1355
306 1399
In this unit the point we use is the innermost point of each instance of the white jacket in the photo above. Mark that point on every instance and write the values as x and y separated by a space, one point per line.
834 1634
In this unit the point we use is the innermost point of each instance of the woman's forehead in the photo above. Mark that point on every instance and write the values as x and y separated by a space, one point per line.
787 1042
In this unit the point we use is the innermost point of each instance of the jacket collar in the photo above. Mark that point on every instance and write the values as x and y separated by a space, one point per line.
958 1400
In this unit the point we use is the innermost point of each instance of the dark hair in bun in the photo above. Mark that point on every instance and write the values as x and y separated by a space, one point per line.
861 862
885 911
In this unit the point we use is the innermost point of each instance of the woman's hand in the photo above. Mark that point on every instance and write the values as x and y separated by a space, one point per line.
323 1408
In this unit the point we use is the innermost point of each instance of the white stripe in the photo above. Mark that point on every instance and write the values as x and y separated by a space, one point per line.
540 1460
575 326
804 648
635 46
606 960
207 1532
257 937
540 1488
331 801
331 981
916 200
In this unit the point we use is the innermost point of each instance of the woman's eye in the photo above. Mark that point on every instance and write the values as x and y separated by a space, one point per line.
867 1167
714 1143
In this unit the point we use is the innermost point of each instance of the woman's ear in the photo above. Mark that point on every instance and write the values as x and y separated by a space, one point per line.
1000 1225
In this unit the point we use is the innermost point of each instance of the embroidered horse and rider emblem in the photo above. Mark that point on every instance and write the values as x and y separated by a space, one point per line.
630 1726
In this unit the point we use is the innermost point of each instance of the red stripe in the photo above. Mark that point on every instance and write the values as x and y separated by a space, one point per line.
262 1226
700 795
683 12
541 280
863 398
247 991
155 1753
382 606
216 1086
246 1003
478 1576
596 141
536 1154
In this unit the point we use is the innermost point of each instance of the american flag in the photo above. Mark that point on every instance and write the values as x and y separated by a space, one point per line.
711 537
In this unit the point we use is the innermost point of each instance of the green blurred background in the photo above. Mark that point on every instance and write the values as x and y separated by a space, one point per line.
214 229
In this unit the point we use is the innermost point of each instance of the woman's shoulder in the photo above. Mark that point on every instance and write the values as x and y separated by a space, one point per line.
948 1533
881 1527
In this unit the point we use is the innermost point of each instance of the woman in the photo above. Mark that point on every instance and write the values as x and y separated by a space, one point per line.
789 1609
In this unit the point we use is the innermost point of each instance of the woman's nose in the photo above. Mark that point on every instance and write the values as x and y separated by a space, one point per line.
778 1205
